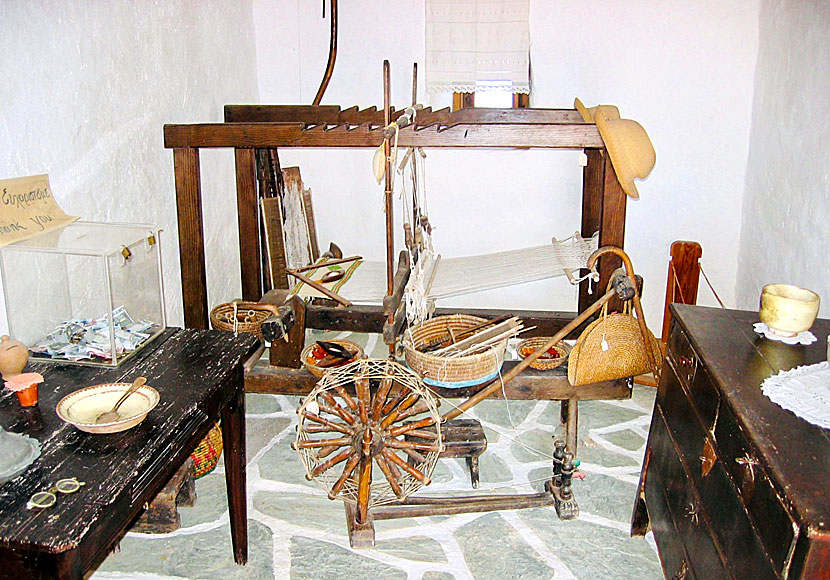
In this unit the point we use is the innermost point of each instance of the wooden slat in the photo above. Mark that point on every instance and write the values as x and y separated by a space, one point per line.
191 237
309 114
247 211
367 318
683 278
281 113
562 136
272 218
530 384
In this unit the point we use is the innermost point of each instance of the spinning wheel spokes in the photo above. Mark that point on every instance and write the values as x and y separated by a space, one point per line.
356 417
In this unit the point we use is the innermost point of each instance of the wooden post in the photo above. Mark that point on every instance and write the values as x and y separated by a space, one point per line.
191 236
287 354
683 278
603 209
247 212
592 181
387 198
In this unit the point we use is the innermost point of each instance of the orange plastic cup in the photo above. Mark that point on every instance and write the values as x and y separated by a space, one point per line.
28 396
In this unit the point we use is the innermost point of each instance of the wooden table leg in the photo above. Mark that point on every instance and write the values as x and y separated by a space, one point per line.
233 437
67 566
570 419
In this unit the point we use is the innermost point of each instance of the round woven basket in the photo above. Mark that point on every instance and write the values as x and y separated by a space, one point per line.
544 364
206 455
446 372
241 316
306 358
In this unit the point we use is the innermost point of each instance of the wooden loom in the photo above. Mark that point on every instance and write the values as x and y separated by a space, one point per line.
252 129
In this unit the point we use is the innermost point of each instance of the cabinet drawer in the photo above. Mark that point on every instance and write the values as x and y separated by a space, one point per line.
667 488
693 375
775 526
681 353
738 537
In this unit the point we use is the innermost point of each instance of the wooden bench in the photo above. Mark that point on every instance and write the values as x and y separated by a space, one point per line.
162 515
463 438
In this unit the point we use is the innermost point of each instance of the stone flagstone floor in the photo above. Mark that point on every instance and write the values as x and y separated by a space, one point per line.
296 533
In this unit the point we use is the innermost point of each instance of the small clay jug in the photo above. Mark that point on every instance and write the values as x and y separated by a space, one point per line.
13 357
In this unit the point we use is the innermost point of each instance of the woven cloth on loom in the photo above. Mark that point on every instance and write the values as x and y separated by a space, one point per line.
365 282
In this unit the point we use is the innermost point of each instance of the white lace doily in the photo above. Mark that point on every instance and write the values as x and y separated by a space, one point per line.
803 390
805 337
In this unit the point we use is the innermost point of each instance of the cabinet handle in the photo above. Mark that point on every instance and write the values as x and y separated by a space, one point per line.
749 463
684 570
692 511
708 459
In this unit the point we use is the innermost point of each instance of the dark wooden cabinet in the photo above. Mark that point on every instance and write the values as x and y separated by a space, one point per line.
733 485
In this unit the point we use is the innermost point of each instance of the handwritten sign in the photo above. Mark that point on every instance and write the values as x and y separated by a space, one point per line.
28 209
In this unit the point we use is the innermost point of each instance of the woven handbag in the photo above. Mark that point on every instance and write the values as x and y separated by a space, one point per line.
610 348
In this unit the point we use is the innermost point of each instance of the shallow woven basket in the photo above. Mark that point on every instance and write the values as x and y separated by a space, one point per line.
249 316
464 369
206 455
319 372
545 364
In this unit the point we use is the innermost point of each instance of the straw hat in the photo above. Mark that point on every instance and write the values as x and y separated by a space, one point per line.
628 145
588 114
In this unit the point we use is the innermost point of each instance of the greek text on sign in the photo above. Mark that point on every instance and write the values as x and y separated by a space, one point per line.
28 209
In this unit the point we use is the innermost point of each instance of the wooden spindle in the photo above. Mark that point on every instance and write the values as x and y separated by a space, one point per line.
323 467
330 424
347 472
405 466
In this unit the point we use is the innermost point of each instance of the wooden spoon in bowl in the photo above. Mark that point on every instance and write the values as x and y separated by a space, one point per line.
112 415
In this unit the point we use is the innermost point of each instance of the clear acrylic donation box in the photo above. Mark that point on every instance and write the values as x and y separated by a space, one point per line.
90 293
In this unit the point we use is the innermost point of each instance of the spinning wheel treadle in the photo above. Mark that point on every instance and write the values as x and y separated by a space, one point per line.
356 417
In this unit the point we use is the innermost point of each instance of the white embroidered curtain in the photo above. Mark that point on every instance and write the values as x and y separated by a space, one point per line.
477 44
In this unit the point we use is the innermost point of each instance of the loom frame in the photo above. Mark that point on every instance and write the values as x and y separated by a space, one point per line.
248 128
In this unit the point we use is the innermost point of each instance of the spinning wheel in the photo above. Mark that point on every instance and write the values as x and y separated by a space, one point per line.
357 416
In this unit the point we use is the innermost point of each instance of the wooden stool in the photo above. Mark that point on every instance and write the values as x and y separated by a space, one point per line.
464 438
162 515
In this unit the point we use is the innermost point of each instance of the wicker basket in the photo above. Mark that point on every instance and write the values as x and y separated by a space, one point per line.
305 356
241 316
544 364
206 455
446 372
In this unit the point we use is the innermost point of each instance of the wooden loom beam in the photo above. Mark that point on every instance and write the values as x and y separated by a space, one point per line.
334 115
254 126
259 135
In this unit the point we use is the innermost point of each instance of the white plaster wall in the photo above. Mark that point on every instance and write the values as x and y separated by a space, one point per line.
684 70
785 235
86 88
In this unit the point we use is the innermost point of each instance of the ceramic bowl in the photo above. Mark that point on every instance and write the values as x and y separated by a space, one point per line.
309 361
788 310
82 407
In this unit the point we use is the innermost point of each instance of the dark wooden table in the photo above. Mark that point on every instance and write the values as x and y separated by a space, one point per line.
733 485
199 375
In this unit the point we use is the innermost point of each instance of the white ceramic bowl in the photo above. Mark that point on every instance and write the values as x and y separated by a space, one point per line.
82 407
788 310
